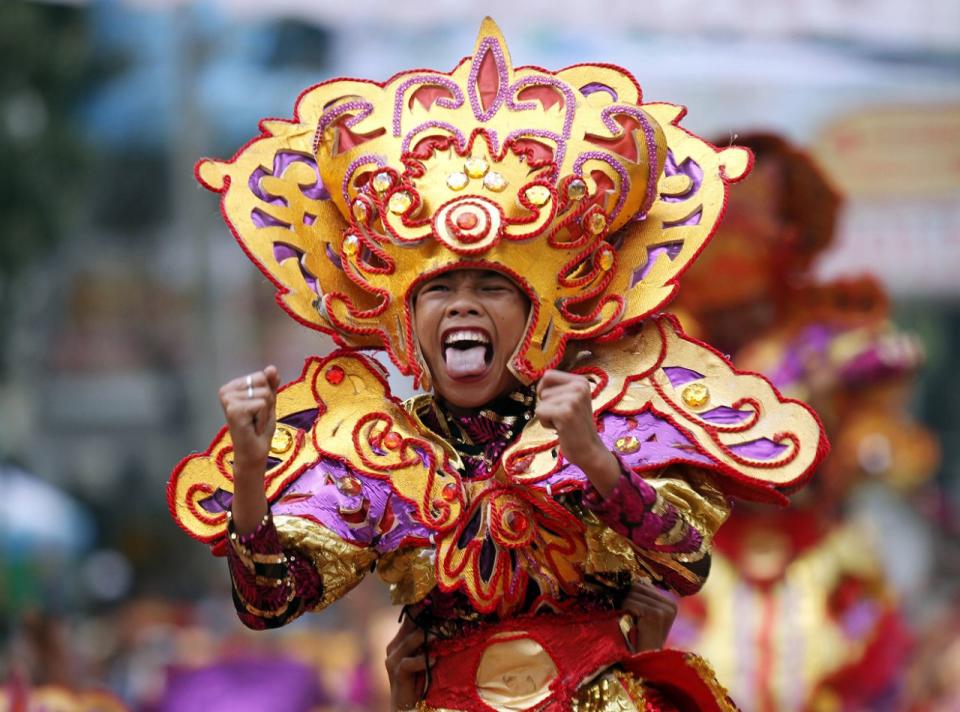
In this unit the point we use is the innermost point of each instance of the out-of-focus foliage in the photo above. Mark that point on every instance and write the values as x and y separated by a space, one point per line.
46 56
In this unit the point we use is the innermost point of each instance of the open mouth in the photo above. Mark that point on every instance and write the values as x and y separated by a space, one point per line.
467 353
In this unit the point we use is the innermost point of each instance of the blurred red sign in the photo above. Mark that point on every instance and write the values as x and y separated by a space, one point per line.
911 151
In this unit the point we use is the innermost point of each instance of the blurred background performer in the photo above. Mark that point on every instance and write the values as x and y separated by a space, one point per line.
802 609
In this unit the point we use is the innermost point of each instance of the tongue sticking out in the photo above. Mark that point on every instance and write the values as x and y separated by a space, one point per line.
463 363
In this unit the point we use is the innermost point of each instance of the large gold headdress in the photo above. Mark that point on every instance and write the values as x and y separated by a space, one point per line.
592 201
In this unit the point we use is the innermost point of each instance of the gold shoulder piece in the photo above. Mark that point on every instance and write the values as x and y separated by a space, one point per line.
340 408
736 422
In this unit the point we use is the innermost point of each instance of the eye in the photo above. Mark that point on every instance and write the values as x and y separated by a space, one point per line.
434 287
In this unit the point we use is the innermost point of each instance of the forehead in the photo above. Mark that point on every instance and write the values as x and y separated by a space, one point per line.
470 274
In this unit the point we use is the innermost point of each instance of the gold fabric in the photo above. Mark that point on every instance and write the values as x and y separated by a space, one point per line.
340 564
409 573
514 674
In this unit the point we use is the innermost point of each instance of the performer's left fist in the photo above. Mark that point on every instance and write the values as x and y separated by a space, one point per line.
564 404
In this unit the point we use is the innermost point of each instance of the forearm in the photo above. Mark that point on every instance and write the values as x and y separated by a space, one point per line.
602 468
249 499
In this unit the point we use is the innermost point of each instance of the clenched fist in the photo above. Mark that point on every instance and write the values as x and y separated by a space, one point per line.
564 404
249 403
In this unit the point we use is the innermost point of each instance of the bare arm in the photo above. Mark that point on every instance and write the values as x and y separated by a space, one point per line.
249 404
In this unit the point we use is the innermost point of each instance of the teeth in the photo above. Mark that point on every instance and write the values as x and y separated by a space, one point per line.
474 335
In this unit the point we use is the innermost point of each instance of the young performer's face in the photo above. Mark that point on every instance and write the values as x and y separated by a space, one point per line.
468 323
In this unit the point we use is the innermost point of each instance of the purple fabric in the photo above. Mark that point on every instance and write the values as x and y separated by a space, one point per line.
689 168
860 618
594 87
283 252
246 685
670 249
760 449
660 443
725 415
281 161
793 367
302 420
315 495
262 219
679 375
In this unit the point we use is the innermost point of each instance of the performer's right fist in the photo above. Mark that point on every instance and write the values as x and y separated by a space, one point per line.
249 402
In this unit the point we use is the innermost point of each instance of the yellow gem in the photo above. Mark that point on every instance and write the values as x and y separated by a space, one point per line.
606 260
596 223
457 181
382 182
350 245
360 211
538 194
627 444
494 181
696 395
400 202
576 189
281 441
476 167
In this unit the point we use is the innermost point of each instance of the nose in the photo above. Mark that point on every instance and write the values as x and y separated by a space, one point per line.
463 302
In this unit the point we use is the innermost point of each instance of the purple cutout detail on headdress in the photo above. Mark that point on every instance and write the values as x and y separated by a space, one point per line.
352 168
760 449
594 87
283 252
364 109
670 249
425 79
281 161
609 160
333 257
263 219
678 375
725 415
689 168
461 142
489 44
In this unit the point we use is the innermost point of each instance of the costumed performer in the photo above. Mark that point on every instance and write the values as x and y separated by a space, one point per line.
507 235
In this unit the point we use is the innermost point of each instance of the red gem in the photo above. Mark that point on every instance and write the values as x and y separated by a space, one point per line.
515 520
467 221
392 440
334 375
450 491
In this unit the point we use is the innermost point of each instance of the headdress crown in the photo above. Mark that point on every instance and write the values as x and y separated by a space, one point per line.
592 201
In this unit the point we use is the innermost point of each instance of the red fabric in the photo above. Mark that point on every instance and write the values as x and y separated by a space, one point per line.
580 646
676 682
876 672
